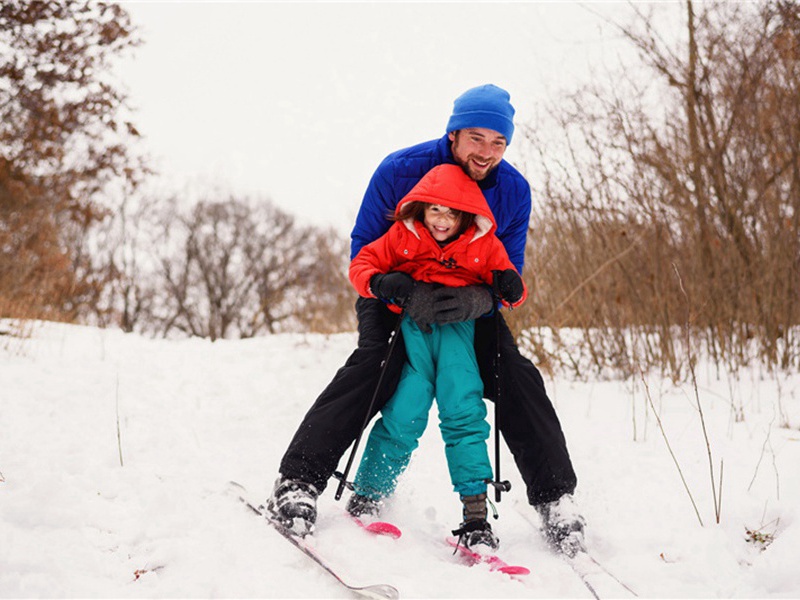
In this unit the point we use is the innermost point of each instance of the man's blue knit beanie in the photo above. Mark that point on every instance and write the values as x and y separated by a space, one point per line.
484 106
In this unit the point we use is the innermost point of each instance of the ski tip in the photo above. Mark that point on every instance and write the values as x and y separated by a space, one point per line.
383 528
514 570
378 592
378 527
495 562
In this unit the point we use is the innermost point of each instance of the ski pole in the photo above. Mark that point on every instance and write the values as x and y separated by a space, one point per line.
497 490
499 486
342 477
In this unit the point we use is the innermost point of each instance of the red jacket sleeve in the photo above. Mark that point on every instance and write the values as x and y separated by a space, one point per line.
376 257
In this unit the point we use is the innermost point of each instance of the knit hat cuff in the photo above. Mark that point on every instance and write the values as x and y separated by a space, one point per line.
481 118
486 106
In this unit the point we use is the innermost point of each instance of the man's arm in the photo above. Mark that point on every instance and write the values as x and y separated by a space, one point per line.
379 202
515 234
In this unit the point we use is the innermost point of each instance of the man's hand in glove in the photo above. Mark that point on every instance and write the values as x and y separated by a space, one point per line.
509 285
455 304
420 306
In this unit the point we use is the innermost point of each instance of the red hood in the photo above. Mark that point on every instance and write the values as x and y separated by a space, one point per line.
450 186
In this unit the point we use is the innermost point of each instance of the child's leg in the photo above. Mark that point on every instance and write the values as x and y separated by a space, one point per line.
396 433
462 414
462 411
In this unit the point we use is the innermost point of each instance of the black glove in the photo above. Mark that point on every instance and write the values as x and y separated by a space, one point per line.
509 285
420 306
455 304
394 287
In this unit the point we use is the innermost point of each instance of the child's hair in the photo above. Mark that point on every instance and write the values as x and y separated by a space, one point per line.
416 210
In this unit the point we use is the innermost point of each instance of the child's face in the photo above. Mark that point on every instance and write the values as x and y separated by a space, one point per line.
441 221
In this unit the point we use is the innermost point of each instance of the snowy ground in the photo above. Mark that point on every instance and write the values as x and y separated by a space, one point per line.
194 415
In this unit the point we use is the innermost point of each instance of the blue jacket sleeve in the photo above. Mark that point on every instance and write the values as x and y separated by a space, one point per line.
515 233
378 204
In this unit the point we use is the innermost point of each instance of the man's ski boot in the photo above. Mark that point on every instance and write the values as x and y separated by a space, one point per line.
563 525
475 532
293 504
364 508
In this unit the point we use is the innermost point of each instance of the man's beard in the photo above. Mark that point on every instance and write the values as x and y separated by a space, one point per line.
477 175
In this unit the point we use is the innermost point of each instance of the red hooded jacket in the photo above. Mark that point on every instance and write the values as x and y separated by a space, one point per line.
409 247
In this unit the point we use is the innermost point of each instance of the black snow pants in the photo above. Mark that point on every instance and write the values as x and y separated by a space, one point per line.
527 419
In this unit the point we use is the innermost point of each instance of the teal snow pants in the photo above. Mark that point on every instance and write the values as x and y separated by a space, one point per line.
440 365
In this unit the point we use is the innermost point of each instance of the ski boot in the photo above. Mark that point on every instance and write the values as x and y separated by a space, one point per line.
364 508
293 504
562 525
475 532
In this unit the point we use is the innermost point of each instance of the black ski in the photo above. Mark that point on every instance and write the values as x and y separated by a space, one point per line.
592 573
378 592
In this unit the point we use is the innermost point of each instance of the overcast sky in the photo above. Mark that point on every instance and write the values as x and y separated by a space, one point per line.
299 101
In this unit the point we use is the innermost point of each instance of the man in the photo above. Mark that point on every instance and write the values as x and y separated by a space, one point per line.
477 135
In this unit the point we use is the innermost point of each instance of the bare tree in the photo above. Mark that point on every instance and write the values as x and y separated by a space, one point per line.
686 164
240 267
120 251
328 295
64 136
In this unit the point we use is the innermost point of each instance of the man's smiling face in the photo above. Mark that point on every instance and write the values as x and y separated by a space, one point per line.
478 150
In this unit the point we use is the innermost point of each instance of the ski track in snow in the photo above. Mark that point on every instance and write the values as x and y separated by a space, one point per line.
194 415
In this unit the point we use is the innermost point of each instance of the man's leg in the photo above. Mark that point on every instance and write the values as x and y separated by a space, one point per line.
335 419
531 428
526 416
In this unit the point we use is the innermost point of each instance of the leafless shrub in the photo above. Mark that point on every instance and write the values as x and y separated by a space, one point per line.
64 135
238 267
691 159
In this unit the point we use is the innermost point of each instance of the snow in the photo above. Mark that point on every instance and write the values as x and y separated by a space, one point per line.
194 415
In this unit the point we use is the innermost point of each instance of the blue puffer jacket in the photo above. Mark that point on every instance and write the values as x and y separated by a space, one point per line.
505 189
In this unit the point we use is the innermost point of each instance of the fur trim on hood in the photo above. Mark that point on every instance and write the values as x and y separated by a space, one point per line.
448 185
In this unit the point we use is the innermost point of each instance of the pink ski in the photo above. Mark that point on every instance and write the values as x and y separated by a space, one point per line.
379 528
495 562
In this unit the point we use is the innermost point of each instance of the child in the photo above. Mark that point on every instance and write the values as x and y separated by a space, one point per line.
443 234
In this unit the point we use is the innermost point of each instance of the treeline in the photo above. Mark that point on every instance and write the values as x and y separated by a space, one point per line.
666 202
64 135
669 214
221 267
81 238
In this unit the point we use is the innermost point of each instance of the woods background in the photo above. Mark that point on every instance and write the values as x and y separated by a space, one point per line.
666 215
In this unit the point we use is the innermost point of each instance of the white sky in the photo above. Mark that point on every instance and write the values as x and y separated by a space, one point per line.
299 101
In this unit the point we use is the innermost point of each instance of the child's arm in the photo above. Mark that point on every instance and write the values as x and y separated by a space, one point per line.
378 257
